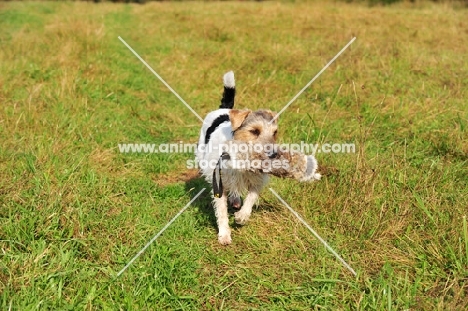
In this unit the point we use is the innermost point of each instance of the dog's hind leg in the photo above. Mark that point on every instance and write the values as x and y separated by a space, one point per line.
222 218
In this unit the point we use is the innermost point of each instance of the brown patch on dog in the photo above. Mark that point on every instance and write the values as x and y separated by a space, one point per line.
237 117
245 135
256 128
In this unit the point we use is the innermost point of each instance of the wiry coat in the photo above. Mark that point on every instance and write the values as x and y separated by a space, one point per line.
219 127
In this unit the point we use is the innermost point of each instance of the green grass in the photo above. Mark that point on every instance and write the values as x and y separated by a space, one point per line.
74 211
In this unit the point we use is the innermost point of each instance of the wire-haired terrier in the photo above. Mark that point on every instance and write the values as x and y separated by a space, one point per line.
226 128
259 128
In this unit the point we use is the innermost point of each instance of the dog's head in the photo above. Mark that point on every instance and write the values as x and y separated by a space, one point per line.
254 126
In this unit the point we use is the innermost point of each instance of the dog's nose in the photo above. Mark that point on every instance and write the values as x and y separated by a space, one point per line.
273 155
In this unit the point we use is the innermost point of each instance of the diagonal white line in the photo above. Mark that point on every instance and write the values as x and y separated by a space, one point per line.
315 233
161 79
313 79
159 233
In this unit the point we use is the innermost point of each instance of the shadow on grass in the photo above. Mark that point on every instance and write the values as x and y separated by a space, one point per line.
203 202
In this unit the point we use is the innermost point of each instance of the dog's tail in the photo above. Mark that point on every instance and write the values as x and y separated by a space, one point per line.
229 91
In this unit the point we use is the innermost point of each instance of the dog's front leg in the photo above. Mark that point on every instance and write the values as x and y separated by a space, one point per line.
222 218
243 215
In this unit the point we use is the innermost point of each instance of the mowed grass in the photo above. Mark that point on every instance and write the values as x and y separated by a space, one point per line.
74 210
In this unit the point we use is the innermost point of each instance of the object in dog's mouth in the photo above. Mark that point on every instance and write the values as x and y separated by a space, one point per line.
277 162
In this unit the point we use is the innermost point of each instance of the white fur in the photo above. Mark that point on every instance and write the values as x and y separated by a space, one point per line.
235 182
222 134
312 167
229 80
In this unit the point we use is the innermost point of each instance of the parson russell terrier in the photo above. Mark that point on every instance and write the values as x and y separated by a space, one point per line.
227 125
224 132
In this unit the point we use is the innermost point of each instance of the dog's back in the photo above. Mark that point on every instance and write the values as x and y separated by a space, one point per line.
216 128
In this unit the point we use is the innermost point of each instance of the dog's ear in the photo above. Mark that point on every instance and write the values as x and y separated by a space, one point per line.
273 115
237 117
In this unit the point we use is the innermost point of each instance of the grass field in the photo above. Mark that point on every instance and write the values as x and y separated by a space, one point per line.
74 210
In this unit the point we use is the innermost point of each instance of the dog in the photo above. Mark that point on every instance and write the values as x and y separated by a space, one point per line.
219 127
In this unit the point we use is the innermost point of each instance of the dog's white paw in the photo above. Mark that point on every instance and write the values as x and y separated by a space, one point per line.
224 239
241 218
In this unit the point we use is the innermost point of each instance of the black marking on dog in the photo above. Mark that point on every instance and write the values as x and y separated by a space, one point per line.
228 98
216 123
218 188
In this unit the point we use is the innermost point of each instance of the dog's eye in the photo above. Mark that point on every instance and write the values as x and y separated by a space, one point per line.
274 134
256 132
